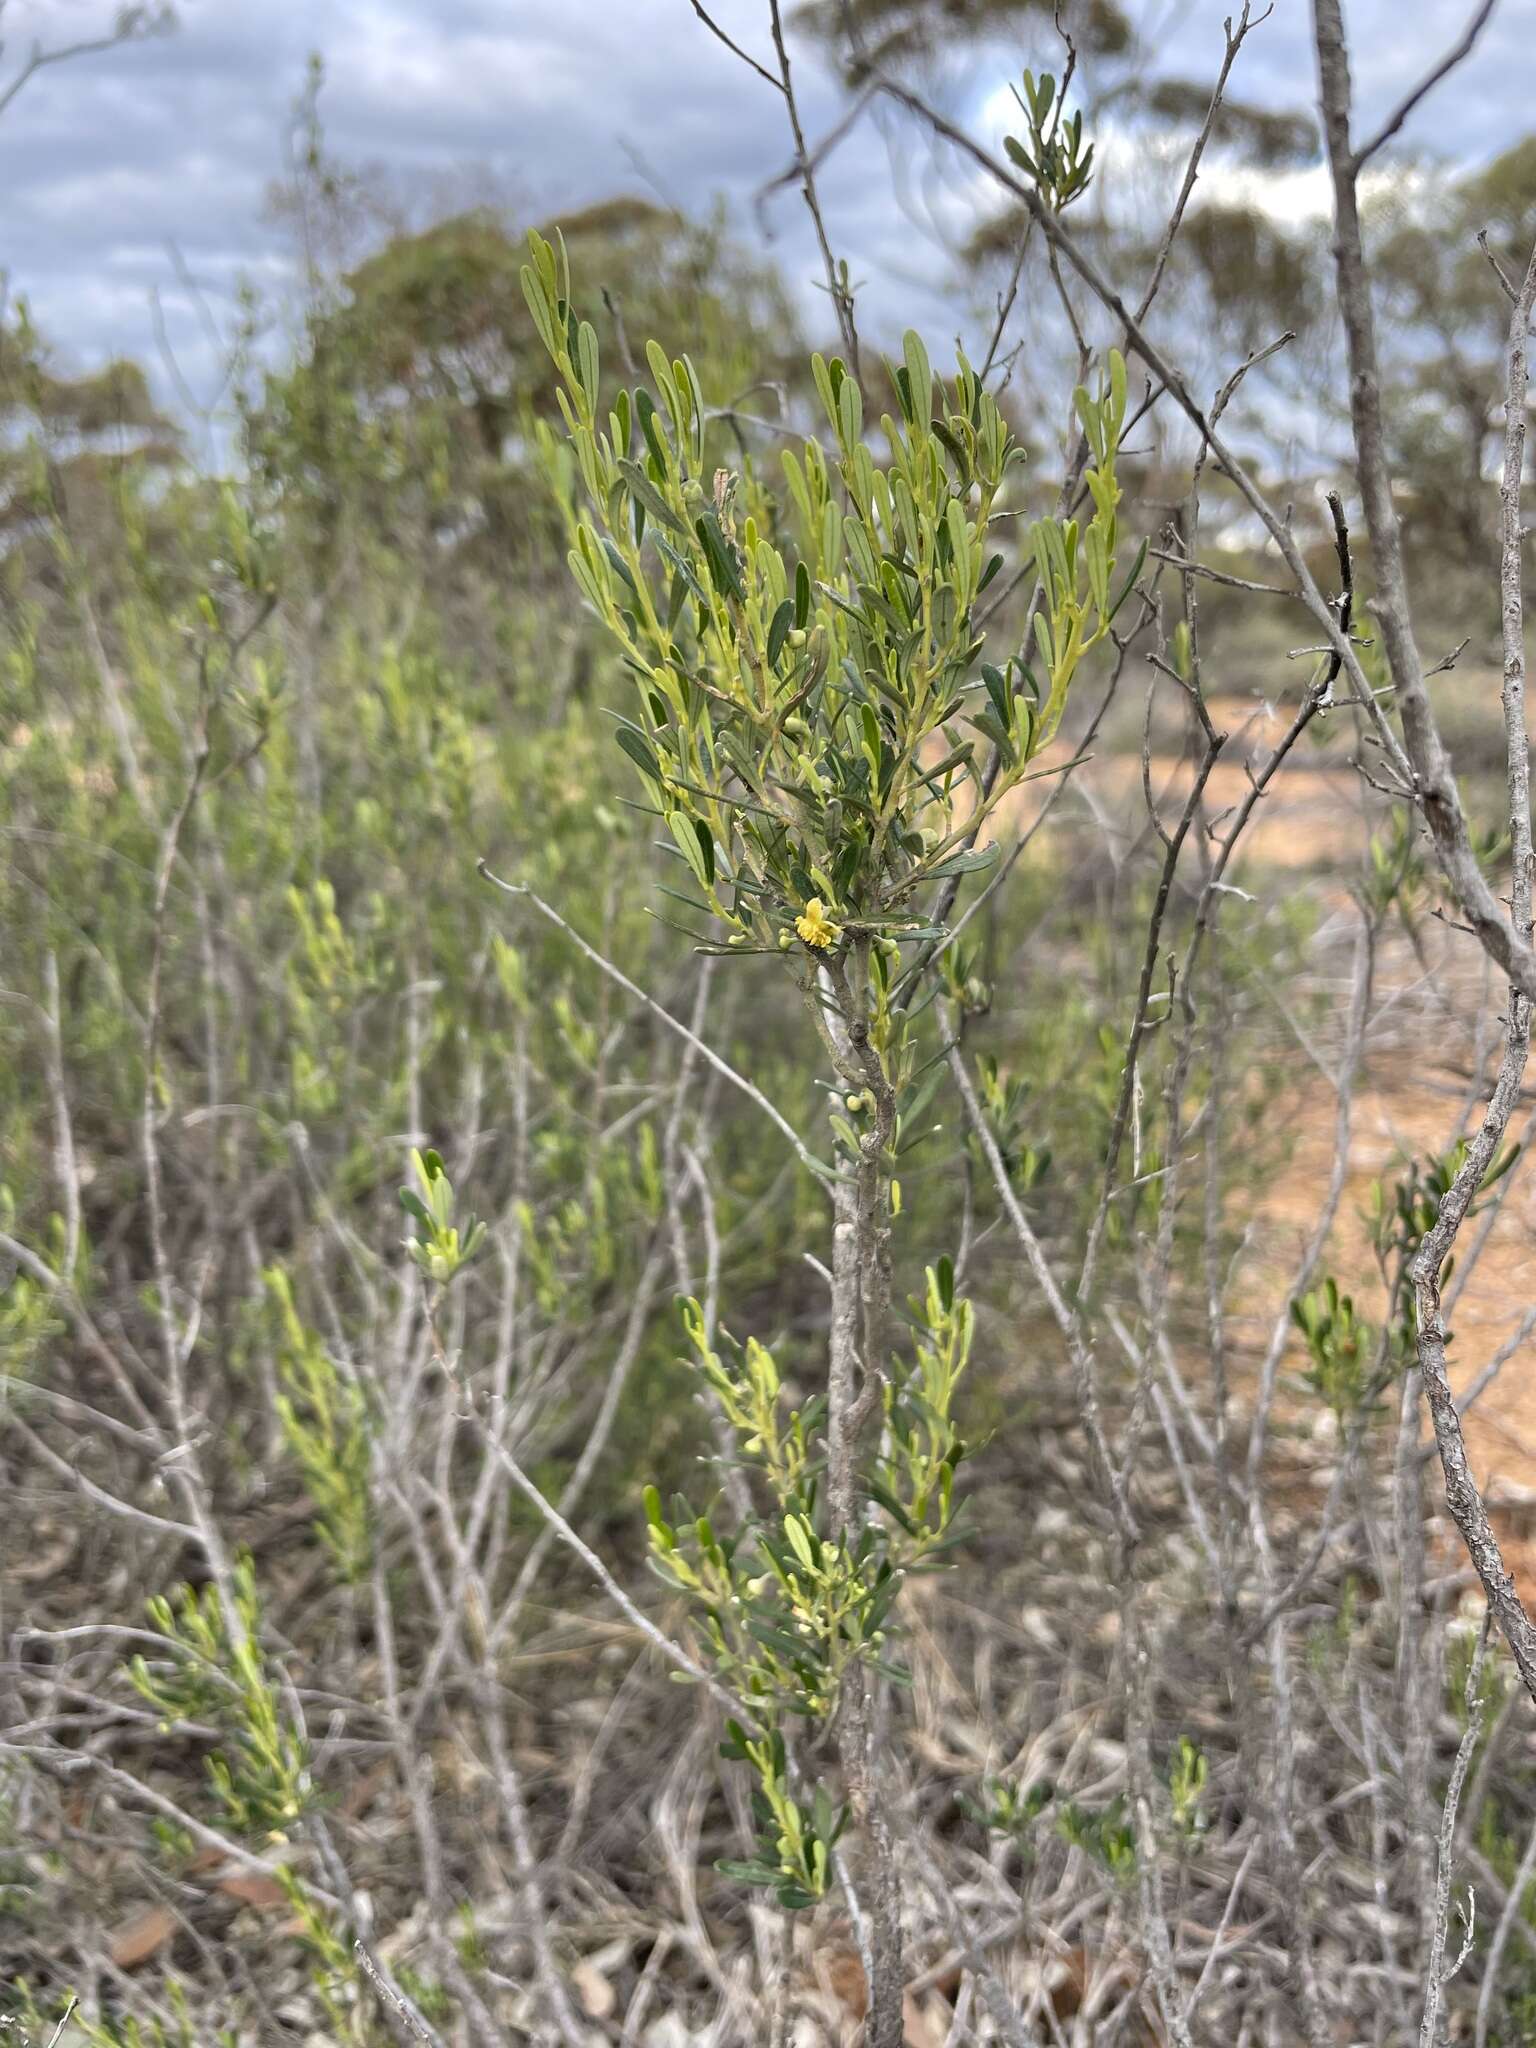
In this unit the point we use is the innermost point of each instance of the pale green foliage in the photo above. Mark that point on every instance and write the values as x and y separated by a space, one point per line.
1395 871
28 1316
261 1778
218 1674
1009 1103
126 2031
914 1472
327 975
1402 1215
1007 1808
1351 1359
324 1417
334 1968
749 1398
795 1840
1187 1778
806 666
573 1249
1104 1833
1341 1349
784 1611
440 1246
1054 155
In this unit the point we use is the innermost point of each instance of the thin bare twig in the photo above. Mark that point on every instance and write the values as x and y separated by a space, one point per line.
837 274
132 25
1463 1496
735 48
1457 54
1437 1976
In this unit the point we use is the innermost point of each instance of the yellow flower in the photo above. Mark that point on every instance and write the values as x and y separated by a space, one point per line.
814 925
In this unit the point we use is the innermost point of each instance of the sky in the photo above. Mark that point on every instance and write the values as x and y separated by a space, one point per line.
127 176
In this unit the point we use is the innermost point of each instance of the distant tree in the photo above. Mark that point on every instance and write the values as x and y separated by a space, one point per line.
1444 321
873 35
75 451
419 369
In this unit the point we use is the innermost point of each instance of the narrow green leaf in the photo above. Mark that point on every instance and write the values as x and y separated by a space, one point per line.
919 376
641 487
643 756
969 862
778 631
706 850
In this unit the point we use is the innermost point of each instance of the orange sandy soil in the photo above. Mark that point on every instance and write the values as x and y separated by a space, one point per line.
1416 1082
1402 1111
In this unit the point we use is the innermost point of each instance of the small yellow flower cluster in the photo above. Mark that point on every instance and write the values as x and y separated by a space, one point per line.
814 925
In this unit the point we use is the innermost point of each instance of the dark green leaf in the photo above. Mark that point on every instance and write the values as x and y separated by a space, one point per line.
721 558
643 755
778 631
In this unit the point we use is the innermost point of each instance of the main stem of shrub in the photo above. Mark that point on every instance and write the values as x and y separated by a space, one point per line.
860 1295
